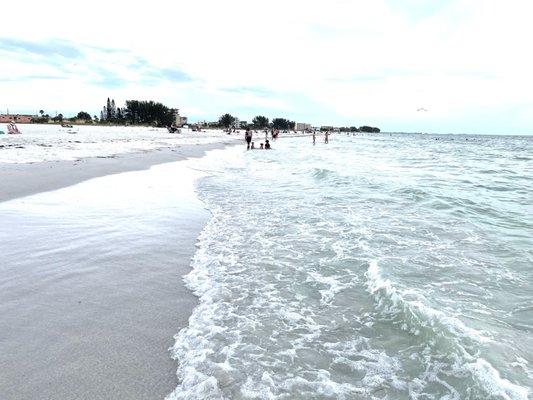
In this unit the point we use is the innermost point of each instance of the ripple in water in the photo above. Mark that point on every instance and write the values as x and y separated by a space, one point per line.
375 267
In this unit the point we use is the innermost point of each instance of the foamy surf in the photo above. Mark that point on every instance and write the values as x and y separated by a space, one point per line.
291 307
420 319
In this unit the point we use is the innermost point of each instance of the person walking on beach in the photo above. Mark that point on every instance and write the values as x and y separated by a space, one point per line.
248 138
326 137
314 138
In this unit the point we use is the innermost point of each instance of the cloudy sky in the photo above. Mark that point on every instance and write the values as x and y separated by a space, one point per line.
461 66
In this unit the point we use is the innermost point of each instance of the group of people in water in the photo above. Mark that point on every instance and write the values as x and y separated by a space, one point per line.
251 145
326 137
266 146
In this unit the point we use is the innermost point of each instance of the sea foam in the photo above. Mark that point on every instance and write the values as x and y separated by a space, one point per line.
329 272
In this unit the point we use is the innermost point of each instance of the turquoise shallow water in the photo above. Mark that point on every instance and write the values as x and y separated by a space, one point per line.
374 267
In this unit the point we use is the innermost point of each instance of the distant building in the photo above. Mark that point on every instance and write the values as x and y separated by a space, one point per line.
18 118
237 123
178 119
302 126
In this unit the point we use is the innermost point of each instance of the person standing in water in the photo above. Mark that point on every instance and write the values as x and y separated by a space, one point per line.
314 138
248 138
326 137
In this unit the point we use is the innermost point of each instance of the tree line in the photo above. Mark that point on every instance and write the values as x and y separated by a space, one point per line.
364 128
258 122
262 122
135 112
141 112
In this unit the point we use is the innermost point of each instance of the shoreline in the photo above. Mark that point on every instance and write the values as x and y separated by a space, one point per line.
25 179
90 313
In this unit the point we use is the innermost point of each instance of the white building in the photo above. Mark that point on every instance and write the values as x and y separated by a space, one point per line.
302 126
178 119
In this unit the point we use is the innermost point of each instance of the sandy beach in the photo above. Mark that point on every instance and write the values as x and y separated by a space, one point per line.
347 216
82 320
25 179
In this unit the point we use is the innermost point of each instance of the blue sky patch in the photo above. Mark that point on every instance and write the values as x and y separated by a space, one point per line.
52 48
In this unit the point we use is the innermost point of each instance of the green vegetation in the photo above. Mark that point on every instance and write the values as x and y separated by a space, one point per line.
282 123
370 129
260 122
136 112
43 119
226 120
146 113
84 116
142 112
349 129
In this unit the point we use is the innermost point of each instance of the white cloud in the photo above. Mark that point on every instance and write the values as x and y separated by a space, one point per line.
356 61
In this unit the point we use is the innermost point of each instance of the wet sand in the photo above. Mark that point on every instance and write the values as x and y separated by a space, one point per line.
81 322
20 180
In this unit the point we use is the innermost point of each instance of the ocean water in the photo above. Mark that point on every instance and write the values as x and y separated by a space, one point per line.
374 267
40 142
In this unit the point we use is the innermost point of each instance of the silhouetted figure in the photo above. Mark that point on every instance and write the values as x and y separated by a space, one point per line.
248 138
